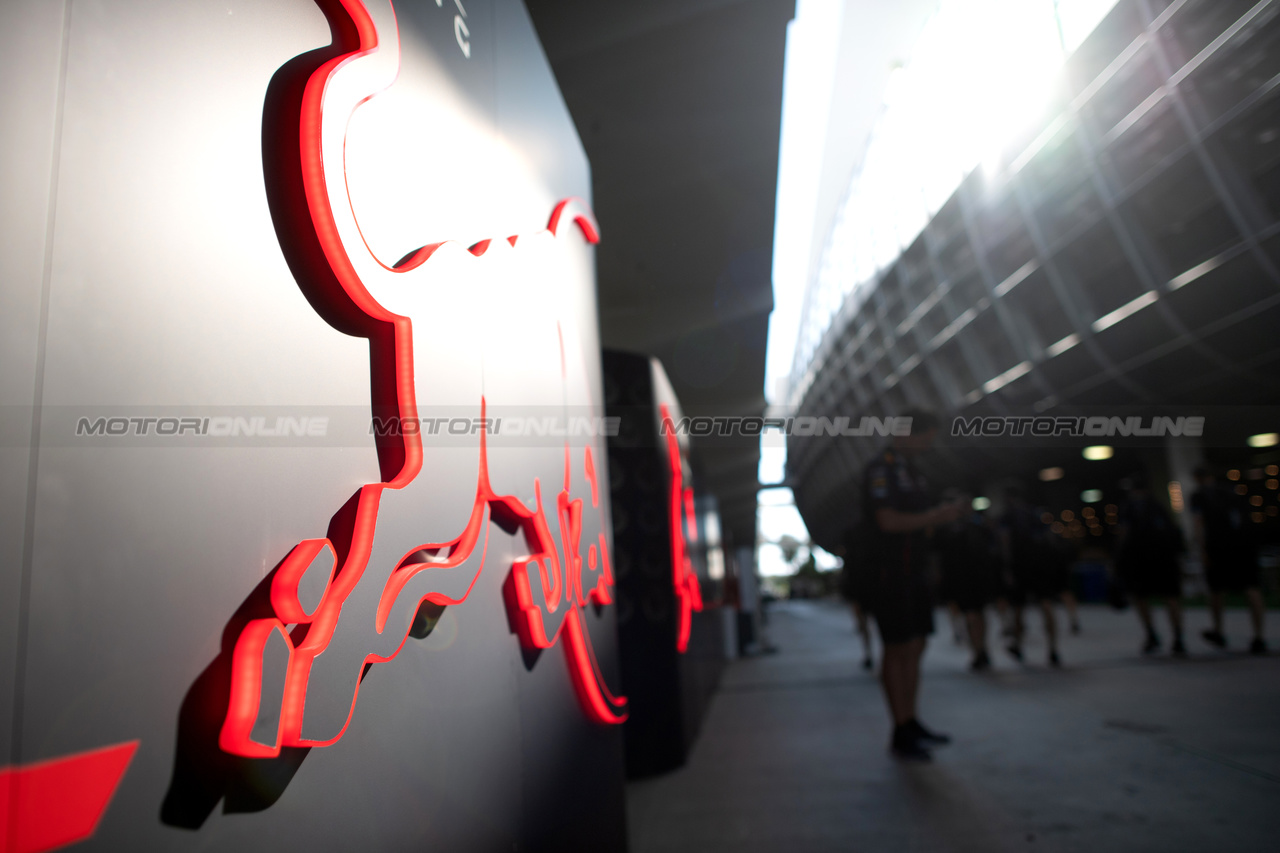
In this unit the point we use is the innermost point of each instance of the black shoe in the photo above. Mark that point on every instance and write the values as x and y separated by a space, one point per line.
1179 650
925 736
1152 644
867 663
1258 646
981 662
1015 652
911 752
1214 638
905 746
1054 660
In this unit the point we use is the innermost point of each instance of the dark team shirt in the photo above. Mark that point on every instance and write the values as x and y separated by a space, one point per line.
1027 536
892 482
1224 515
968 548
1151 536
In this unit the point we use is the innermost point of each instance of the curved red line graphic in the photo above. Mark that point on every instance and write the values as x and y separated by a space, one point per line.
344 295
680 509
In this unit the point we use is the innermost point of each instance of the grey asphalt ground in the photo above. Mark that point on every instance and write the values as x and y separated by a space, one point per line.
1114 752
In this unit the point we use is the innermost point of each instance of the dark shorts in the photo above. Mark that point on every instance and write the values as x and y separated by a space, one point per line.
1040 581
968 586
903 608
973 596
1231 572
855 585
1154 579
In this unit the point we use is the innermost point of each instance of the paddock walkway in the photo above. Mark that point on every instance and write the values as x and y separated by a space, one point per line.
1112 753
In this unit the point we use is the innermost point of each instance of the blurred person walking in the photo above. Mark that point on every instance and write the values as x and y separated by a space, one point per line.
1036 568
899 517
1229 554
970 558
1147 554
855 587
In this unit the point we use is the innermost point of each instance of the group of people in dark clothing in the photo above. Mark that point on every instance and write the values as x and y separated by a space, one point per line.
1015 561
1012 561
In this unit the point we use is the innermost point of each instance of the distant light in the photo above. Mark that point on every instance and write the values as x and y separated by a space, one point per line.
1068 515
1098 452
1264 439
1175 495
1046 517
980 503
1091 496
1233 474
1256 500
1048 475
1273 470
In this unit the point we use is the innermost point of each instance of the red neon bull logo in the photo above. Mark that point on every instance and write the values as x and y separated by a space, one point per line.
385 564
684 529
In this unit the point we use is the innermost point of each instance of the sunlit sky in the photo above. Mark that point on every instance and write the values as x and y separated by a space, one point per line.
980 72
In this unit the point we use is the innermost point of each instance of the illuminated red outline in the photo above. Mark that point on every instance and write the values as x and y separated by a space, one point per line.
690 516
560 575
680 507
49 804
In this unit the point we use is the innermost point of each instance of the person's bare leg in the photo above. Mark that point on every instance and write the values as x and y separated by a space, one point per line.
1002 613
912 687
894 669
1257 611
1073 610
957 623
1175 617
1050 629
900 672
1019 628
1215 611
1144 616
864 633
1175 622
976 621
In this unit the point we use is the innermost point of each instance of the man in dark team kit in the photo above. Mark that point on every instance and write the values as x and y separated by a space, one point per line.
1036 568
1147 561
1229 553
969 551
900 516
